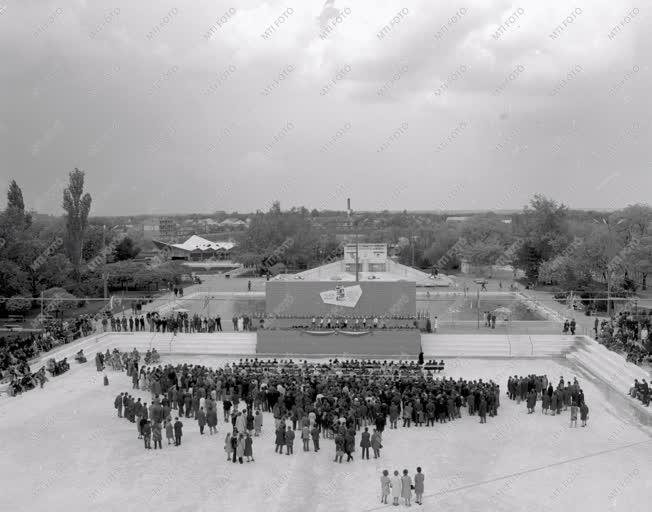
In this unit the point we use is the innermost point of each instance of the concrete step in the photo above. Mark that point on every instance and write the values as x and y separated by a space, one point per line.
496 345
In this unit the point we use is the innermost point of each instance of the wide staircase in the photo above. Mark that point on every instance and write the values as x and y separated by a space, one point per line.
226 344
496 345
607 365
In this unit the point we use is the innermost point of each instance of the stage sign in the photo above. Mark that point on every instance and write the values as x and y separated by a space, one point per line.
347 297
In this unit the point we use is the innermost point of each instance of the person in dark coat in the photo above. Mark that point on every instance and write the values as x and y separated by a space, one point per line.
147 435
98 362
365 443
178 432
349 445
553 403
141 425
118 404
482 410
201 419
157 435
211 420
248 448
545 403
249 422
289 441
531 401
584 413
280 439
314 433
234 446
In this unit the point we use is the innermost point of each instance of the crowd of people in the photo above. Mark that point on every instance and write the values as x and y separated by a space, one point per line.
627 334
173 322
334 400
348 403
533 388
16 352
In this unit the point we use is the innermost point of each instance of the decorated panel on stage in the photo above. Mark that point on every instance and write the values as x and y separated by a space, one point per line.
346 299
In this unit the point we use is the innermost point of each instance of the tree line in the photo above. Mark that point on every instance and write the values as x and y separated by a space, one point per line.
63 257
552 244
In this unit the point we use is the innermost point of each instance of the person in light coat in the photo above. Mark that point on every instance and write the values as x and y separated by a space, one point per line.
240 448
258 423
169 431
240 423
384 486
396 484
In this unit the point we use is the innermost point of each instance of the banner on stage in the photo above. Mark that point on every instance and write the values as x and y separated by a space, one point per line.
346 297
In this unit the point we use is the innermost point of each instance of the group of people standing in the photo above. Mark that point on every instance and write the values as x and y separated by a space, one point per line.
150 421
537 387
401 487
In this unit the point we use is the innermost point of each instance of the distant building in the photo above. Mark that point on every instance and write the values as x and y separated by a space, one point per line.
167 228
196 248
151 229
371 257
233 223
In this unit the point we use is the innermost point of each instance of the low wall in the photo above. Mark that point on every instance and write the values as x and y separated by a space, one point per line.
377 343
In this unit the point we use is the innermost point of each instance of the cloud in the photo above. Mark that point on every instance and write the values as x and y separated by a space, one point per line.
425 45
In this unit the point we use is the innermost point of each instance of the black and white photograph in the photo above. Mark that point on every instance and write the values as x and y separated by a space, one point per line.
411 239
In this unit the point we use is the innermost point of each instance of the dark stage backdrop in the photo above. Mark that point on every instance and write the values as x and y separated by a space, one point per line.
302 298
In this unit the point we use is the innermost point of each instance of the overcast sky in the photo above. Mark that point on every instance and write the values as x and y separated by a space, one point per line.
190 106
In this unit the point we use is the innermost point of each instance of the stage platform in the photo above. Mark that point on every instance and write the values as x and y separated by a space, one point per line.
377 343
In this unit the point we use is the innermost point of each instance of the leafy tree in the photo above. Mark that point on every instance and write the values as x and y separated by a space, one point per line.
280 237
543 227
16 206
13 220
125 250
57 300
18 305
93 241
483 254
77 206
13 280
639 259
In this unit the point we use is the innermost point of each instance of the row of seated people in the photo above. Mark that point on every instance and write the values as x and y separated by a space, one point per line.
641 391
359 327
24 382
22 379
316 319
355 364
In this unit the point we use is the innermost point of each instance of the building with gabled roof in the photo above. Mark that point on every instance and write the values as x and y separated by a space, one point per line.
196 248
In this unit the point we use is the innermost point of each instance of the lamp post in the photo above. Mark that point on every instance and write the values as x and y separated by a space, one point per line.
478 307
357 268
104 275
